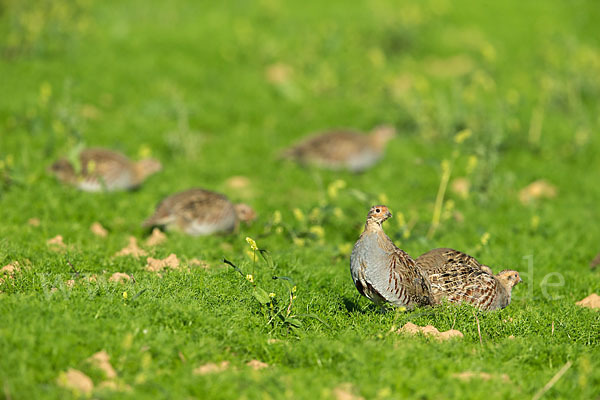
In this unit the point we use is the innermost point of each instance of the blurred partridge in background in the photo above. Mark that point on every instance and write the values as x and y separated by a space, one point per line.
199 212
99 169
459 277
382 272
342 149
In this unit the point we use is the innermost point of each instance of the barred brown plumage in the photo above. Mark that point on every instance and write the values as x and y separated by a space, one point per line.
342 149
459 277
384 273
199 212
102 169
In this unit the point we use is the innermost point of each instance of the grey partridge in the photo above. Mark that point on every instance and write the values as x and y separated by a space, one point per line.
199 212
102 169
342 149
458 277
384 273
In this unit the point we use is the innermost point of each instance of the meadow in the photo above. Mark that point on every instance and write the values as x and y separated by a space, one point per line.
487 98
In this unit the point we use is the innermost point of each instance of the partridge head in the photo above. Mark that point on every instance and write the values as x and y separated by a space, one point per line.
378 215
381 135
64 171
145 168
244 212
509 279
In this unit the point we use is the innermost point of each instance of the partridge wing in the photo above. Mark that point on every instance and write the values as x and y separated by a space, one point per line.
465 283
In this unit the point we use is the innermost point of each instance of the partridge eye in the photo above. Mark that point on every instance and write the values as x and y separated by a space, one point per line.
377 210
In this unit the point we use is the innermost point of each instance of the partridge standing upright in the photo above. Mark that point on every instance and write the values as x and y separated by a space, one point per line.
459 277
342 149
102 169
382 272
199 212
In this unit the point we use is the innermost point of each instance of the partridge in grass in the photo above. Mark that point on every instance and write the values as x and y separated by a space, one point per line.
199 212
342 149
382 272
102 169
459 277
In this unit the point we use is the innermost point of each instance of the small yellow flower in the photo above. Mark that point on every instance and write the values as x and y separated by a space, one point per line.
344 248
315 213
406 234
57 126
298 214
250 278
462 136
338 213
127 341
45 93
251 255
318 230
535 222
294 289
489 52
252 243
299 242
376 56
400 219
279 230
471 163
91 166
272 295
277 217
334 187
383 199
485 238
124 295
145 151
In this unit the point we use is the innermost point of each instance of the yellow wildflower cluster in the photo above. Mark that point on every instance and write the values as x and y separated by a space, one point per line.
252 243
334 187
485 238
318 231
277 217
298 214
462 136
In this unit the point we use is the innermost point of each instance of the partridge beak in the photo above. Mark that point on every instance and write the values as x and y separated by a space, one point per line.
388 214
520 280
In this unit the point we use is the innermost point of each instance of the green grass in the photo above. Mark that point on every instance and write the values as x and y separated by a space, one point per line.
186 82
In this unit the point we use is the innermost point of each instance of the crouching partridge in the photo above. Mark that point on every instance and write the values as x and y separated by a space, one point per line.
102 169
342 149
199 212
459 277
382 272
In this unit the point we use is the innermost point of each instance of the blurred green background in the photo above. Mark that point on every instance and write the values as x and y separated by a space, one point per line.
215 90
